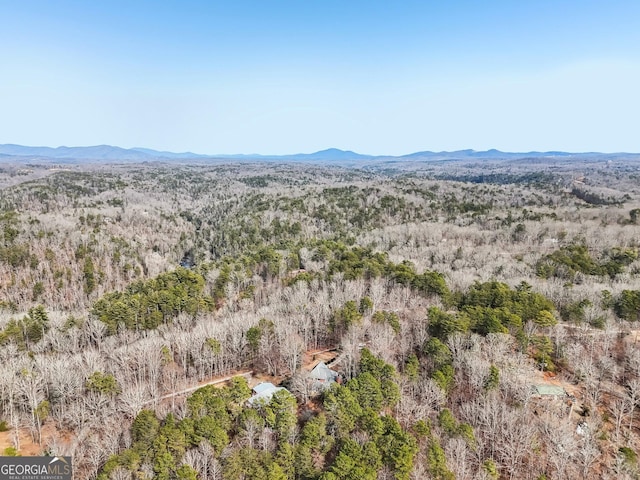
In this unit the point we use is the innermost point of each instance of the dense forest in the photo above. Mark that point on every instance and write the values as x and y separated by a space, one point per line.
478 319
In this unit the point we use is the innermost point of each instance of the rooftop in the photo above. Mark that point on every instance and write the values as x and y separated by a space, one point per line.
322 372
263 387
549 390
263 393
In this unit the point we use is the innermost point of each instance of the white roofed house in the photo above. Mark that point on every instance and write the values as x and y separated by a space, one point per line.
262 388
262 393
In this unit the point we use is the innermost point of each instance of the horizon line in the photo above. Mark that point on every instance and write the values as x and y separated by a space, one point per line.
147 150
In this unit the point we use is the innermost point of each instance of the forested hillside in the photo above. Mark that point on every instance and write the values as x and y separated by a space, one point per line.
480 318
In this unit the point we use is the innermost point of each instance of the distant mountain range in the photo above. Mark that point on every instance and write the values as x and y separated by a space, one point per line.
330 154
110 153
98 152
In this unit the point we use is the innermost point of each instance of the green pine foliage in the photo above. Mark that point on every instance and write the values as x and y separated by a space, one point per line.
437 462
88 272
104 383
390 318
28 330
573 312
572 259
493 307
345 317
627 305
151 303
318 446
213 416
493 379
12 252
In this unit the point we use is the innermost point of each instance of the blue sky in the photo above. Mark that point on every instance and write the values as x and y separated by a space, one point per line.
285 77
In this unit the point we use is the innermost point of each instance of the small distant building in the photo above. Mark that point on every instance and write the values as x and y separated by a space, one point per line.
262 393
188 260
582 429
322 377
549 391
553 397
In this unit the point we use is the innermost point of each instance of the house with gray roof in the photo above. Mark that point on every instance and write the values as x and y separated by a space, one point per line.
322 376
